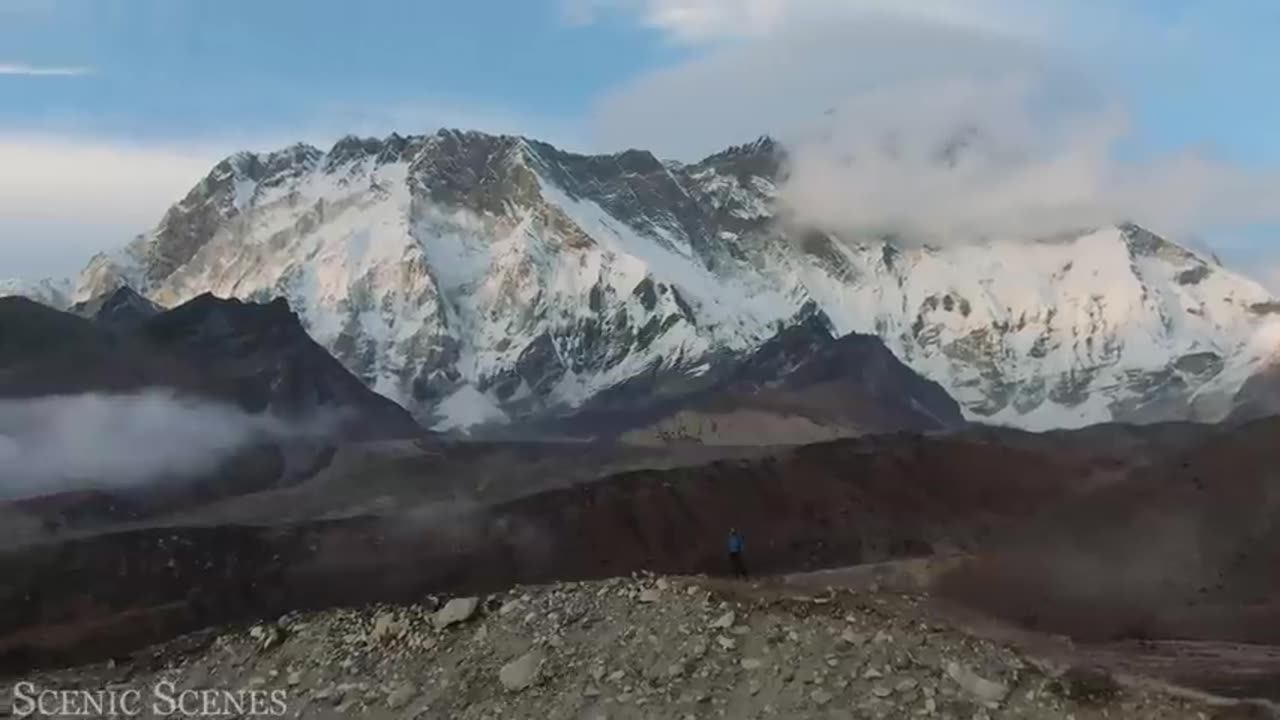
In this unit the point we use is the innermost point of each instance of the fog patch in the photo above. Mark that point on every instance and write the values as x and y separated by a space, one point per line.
58 443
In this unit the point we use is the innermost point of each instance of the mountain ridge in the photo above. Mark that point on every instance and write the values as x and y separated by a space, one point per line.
496 277
254 357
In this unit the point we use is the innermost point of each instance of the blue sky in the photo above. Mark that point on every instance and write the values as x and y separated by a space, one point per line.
184 69
110 109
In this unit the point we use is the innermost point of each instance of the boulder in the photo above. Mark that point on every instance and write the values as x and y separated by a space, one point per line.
980 688
455 611
521 673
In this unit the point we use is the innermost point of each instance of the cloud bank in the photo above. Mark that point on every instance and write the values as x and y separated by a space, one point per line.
59 443
942 121
67 198
28 70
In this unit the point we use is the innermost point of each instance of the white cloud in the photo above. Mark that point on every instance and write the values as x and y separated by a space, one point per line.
17 68
56 443
785 81
62 199
699 21
867 101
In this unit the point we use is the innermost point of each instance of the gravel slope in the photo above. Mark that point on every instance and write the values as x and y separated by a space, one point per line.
634 648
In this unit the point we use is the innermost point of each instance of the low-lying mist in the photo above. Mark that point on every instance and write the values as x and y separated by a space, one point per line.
58 443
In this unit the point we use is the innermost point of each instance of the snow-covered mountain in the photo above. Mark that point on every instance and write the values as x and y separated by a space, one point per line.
54 292
477 278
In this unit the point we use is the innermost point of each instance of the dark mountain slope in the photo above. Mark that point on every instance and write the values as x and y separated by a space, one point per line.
803 385
265 356
256 357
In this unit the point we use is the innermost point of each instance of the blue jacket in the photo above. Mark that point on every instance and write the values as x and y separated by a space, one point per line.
736 542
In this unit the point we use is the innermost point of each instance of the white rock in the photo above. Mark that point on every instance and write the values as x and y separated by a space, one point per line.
988 691
752 663
387 627
522 672
455 611
724 622
650 595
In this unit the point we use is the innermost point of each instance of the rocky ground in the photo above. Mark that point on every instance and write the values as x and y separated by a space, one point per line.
646 647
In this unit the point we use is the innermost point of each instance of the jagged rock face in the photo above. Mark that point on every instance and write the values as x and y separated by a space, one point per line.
122 309
478 278
803 385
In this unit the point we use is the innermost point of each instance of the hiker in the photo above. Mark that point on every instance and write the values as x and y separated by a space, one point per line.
736 544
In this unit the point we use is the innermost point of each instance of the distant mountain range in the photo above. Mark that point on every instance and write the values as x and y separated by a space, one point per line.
497 282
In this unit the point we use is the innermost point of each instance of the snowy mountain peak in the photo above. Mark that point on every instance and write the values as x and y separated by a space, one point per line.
481 278
54 292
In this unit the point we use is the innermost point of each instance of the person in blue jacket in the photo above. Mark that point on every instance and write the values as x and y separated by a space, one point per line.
736 545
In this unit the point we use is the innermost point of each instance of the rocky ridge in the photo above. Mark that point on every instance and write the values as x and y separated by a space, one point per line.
256 357
639 648
485 279
804 385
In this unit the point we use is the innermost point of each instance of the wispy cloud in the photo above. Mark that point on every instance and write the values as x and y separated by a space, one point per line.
29 70
57 443
945 120
701 21
64 198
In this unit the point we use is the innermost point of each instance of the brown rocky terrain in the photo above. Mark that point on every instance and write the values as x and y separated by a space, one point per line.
354 537
1186 550
630 648
1055 534
735 427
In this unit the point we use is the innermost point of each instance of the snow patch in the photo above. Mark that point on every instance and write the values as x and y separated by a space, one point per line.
466 408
